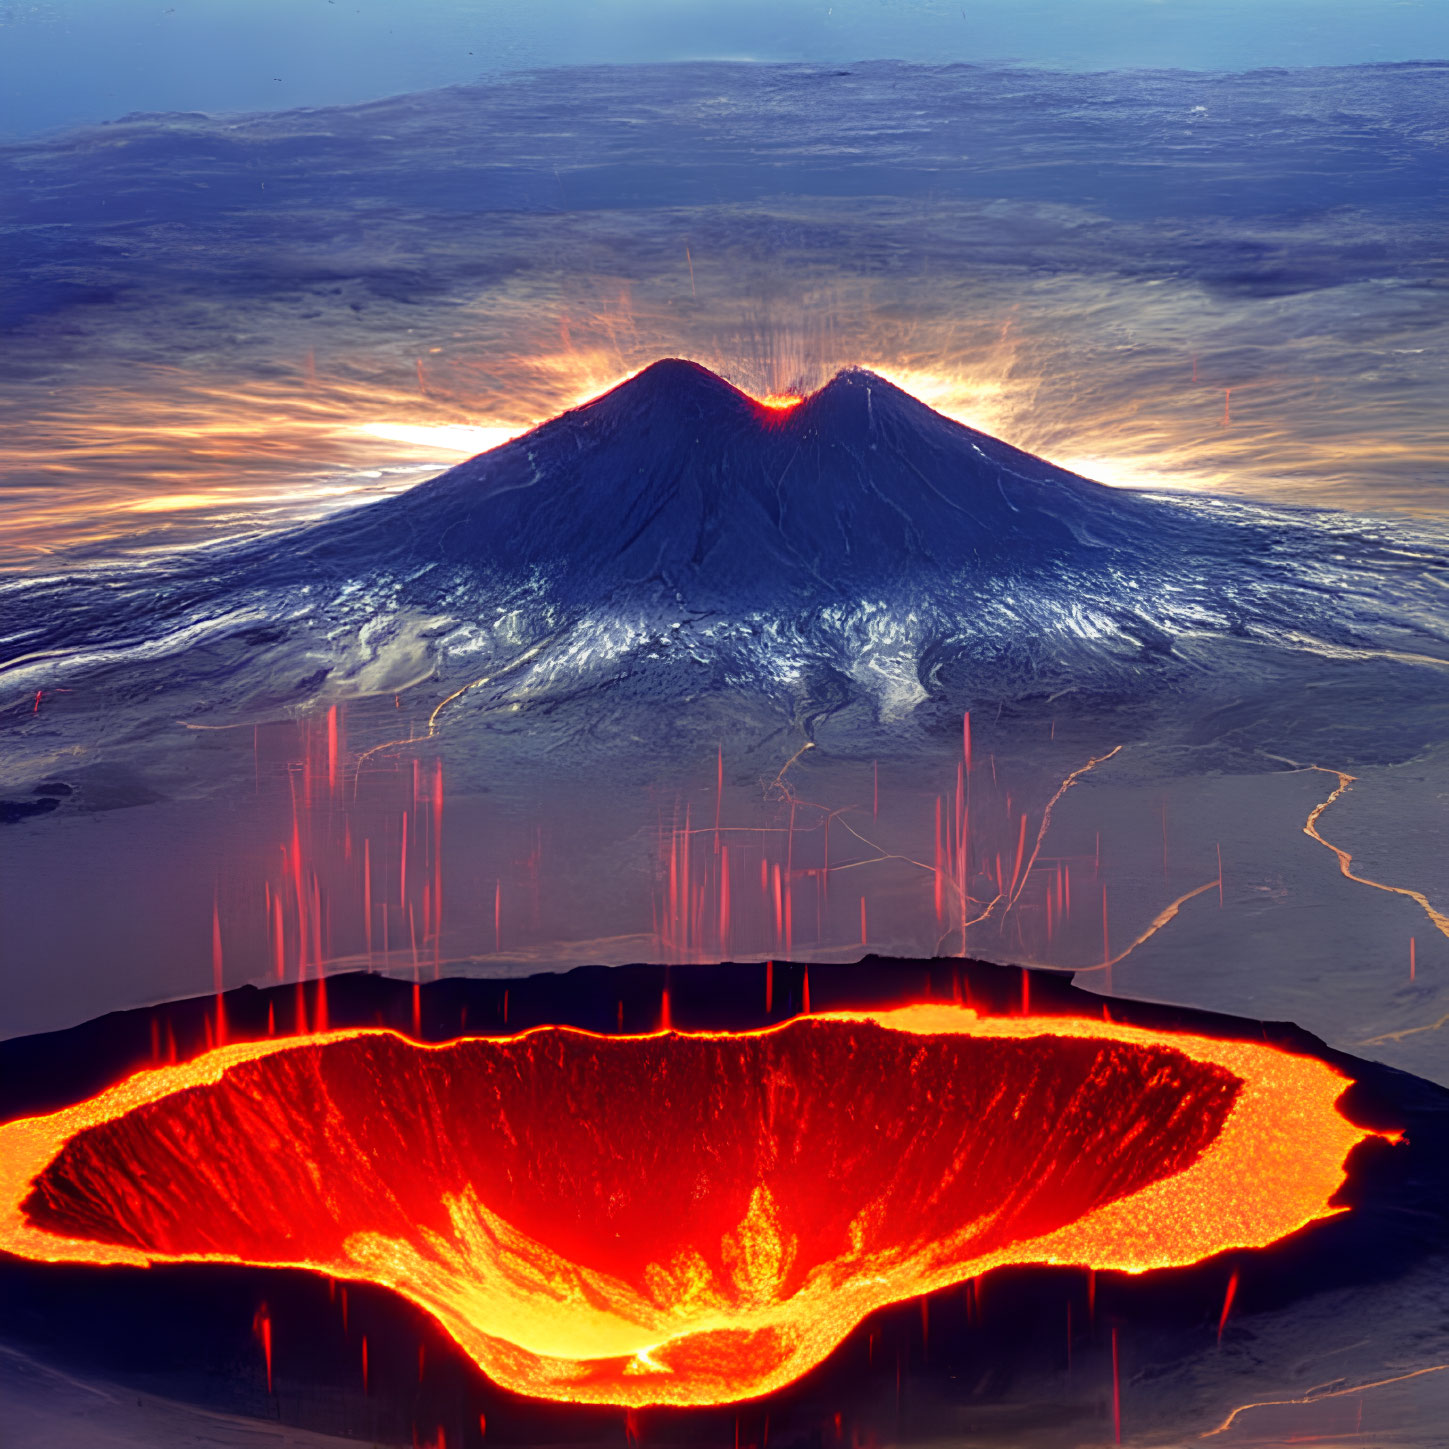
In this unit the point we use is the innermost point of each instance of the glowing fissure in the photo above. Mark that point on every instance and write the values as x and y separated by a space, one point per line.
685 1218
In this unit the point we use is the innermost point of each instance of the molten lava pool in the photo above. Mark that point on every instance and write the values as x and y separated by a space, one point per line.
685 1218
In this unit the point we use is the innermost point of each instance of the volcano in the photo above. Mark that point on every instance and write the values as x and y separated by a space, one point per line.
853 555
676 481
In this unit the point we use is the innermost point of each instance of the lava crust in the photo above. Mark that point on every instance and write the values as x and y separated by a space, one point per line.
685 1218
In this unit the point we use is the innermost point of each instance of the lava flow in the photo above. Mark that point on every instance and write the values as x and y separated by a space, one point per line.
686 1218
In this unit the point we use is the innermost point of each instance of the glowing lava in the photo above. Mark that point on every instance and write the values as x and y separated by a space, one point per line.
685 1218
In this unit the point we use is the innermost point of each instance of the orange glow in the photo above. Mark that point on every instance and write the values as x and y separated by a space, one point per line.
686 1218
446 438
780 401
128 446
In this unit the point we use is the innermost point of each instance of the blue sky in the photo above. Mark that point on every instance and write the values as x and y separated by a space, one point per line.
64 62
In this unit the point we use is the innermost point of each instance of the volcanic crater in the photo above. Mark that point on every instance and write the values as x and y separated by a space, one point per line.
686 1218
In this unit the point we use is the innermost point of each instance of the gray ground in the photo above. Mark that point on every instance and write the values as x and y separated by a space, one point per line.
46 1409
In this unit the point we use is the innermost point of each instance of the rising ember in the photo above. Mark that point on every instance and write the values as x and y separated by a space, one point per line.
686 1218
